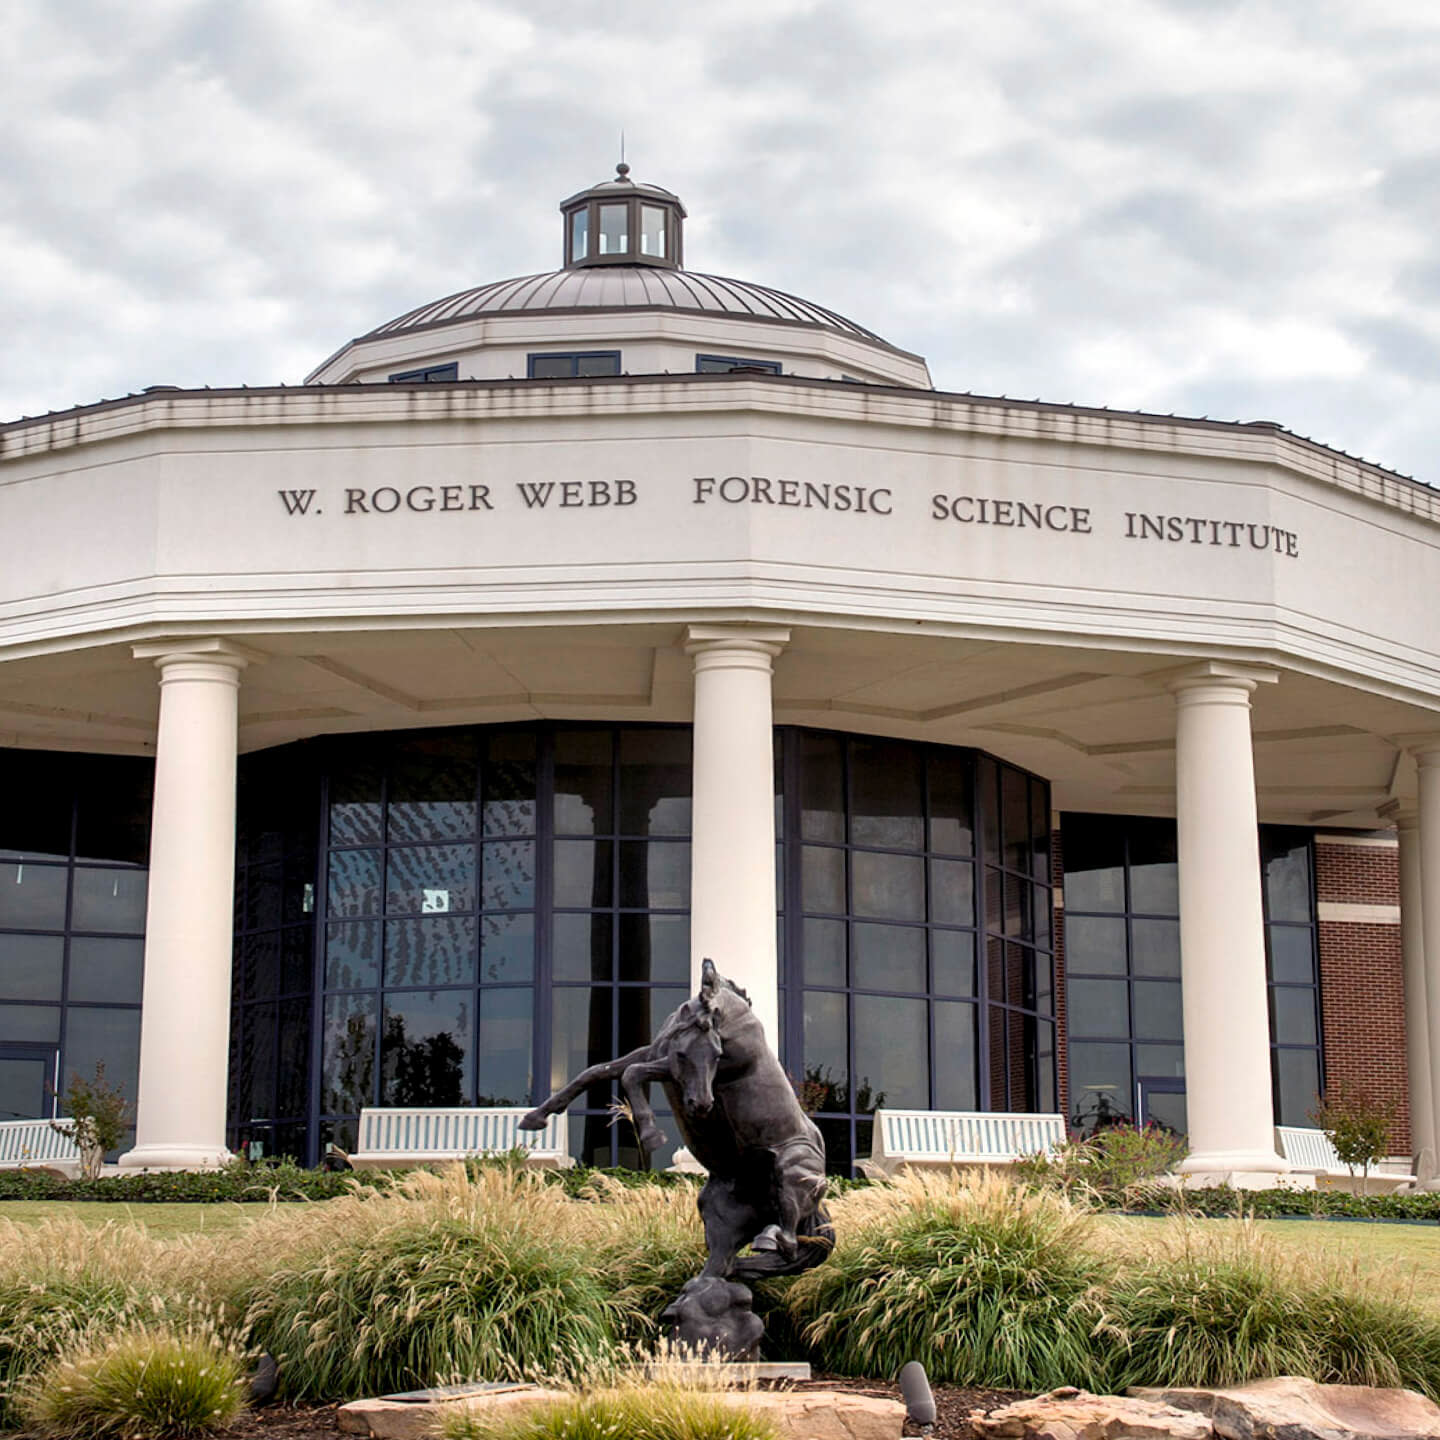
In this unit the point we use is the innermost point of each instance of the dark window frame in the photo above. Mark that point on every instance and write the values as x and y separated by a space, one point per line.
733 363
426 374
574 357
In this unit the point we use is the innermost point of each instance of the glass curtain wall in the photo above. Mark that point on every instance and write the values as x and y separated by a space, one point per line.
1122 968
74 846
885 919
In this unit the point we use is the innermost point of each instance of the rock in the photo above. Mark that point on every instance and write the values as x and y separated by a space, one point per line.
1071 1414
412 1419
798 1415
1291 1408
821 1414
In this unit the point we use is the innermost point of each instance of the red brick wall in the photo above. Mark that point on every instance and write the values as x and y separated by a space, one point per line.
1362 986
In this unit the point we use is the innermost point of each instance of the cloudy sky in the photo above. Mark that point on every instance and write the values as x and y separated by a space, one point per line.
1196 206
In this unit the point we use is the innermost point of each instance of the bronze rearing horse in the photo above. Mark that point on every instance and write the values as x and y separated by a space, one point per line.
737 1112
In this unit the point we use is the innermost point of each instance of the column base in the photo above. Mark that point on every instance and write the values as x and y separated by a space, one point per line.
176 1157
1241 1169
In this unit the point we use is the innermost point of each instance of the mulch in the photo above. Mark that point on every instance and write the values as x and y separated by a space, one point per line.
953 1404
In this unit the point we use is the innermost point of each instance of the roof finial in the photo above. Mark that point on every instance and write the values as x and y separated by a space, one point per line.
622 169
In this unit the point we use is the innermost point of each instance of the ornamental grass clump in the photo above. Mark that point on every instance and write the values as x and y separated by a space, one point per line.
62 1279
1208 1305
139 1384
489 1275
982 1282
655 1412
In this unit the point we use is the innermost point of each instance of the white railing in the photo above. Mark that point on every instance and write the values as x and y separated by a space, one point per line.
33 1142
414 1136
959 1137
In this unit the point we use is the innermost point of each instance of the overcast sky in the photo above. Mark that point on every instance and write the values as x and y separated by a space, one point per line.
1215 208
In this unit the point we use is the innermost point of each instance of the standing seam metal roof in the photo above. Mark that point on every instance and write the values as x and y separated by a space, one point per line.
625 287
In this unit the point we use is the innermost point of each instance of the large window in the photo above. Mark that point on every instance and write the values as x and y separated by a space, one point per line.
904 865
725 364
74 845
426 374
1122 968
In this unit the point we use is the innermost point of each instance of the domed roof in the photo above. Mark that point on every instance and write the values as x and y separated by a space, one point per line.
625 287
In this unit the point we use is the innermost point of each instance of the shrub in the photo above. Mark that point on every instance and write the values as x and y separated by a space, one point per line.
982 1282
1117 1166
490 1273
1358 1127
652 1413
97 1116
135 1385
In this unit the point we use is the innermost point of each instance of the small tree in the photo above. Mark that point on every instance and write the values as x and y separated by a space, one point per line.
1358 1127
96 1119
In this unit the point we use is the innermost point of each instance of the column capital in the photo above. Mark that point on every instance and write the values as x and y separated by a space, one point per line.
205 649
1214 675
1403 813
1424 745
735 643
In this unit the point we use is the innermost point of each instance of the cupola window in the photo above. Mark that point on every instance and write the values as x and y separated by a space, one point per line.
620 222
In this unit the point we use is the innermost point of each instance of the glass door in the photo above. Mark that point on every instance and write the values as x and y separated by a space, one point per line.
27 1077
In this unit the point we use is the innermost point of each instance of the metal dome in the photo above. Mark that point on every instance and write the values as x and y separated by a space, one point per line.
625 287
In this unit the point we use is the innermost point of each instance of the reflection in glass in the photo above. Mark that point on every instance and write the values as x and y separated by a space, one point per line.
1157 1010
432 788
652 230
1292 954
888 886
30 1024
888 957
1102 1088
655 948
580 234
438 950
1297 1075
886 794
952 962
951 825
352 955
654 875
580 1036
32 967
583 776
347 1074
654 782
112 901
1287 876
355 803
1154 871
508 807
1093 945
430 879
1292 1015
425 1048
1155 947
582 947
583 875
32 897
103 971
826 1064
822 787
1094 853
507 947
892 1053
354 883
1099 1007
952 892
508 874
822 879
504 1075
956 1054
1015 797
824 952
97 1034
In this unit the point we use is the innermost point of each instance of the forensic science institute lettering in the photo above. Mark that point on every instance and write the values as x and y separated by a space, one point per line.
879 502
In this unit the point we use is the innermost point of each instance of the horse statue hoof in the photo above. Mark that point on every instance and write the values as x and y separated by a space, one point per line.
535 1120
767 1239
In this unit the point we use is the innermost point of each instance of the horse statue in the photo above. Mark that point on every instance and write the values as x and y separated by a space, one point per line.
737 1112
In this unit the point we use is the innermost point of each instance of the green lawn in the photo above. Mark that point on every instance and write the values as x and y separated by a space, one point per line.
1411 1253
161 1220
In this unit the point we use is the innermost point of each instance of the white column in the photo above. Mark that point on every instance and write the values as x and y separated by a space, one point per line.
732 868
1427 759
185 1018
1222 928
1406 816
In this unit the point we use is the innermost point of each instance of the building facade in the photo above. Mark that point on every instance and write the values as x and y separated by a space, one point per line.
409 736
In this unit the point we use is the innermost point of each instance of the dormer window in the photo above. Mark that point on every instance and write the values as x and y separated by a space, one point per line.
621 222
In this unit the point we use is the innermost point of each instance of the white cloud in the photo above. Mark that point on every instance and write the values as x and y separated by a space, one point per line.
1193 205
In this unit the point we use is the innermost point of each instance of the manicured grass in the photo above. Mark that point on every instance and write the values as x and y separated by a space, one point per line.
160 1220
1410 1252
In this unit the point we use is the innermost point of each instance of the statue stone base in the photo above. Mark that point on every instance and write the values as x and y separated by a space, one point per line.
712 1318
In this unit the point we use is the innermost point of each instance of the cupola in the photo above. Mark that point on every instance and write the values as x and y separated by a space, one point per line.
620 222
